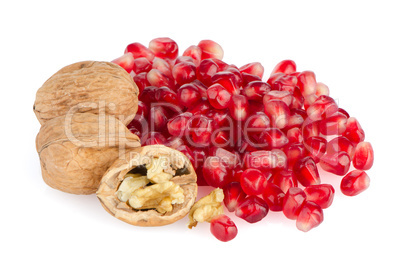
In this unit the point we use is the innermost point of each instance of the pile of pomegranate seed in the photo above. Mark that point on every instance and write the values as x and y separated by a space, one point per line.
260 140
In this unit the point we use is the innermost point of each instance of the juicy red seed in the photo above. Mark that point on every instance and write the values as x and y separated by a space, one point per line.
298 99
141 81
307 83
162 66
174 142
186 59
295 120
274 77
138 50
221 139
158 79
222 66
142 109
273 196
354 132
188 95
311 128
158 118
294 152
164 94
223 228
306 172
247 78
200 128
284 96
194 52
293 202
336 163
315 147
238 107
294 135
228 80
285 83
126 61
210 49
206 70
274 138
177 125
255 90
354 183
237 172
184 72
333 125
148 95
284 179
322 89
234 195
199 157
219 97
164 48
323 194
203 107
339 144
253 182
187 152
265 160
141 65
153 138
255 125
228 158
363 158
253 68
310 216
221 118
252 209
343 111
201 87
285 67
278 112
323 107
216 174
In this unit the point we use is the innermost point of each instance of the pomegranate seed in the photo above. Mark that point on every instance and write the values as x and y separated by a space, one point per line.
221 118
223 228
278 112
203 107
298 99
293 202
274 77
164 48
238 107
256 124
265 160
354 132
206 70
295 120
273 196
339 144
285 83
158 79
187 152
311 128
310 216
158 118
177 125
274 138
253 68
164 94
307 83
142 109
210 49
364 156
315 147
253 182
294 152
221 139
284 96
138 50
333 125
323 194
184 72
336 163
354 183
285 67
252 209
141 81
294 135
306 172
322 89
153 138
322 108
126 61
199 157
234 195
340 110
255 90
188 95
162 66
228 80
222 66
185 59
200 128
195 53
216 174
247 78
174 142
141 65
228 158
219 97
284 179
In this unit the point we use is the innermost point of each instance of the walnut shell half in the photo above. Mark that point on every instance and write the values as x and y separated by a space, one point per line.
75 151
88 87
184 176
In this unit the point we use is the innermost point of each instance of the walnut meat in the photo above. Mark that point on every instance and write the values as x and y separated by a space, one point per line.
75 151
88 87
153 186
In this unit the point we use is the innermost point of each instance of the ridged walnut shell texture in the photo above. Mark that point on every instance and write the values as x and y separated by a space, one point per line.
88 86
76 150
116 173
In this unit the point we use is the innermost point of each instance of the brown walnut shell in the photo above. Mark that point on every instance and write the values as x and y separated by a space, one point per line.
88 87
112 179
75 151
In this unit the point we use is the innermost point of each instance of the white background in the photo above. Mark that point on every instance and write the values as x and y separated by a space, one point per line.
353 46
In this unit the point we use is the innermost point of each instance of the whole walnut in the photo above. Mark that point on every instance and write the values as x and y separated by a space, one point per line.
75 150
88 87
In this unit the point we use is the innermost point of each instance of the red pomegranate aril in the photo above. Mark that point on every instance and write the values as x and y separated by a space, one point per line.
311 128
228 158
237 74
306 172
298 99
255 90
141 65
274 138
333 125
174 142
354 132
294 152
164 48
284 96
221 118
363 158
162 66
284 179
285 67
222 66
184 72
273 196
238 107
293 202
200 108
126 61
221 139
278 112
228 80
254 68
153 138
185 59
223 228
265 160
247 78
343 111
315 147
307 83
252 209
188 95
199 157
177 125
322 108
295 120
255 125
187 152
194 52
274 77
294 135
141 81
339 144
253 182
138 50
166 95
322 195
142 109
158 79
210 49
200 130
321 89
158 118
310 216
285 83
206 70
355 183
336 163
234 195
216 173
219 97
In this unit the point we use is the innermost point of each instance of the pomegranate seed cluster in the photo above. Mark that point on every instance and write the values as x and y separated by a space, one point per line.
260 139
